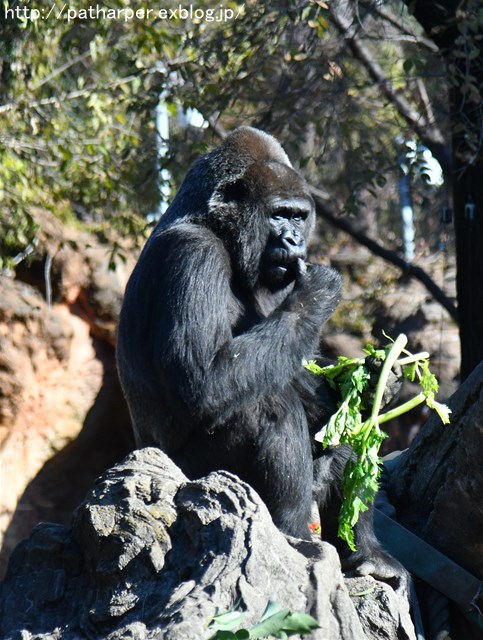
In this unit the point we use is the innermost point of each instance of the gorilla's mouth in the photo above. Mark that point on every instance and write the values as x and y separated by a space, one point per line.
280 263
279 272
286 257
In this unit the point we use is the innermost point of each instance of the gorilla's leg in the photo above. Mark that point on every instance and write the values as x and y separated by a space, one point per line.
284 472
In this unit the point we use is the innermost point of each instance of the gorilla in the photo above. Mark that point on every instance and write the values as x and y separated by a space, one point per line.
218 315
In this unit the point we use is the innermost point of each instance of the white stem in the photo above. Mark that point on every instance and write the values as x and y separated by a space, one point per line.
391 358
424 355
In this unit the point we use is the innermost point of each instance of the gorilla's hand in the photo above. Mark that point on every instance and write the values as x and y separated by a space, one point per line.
393 385
316 292
301 268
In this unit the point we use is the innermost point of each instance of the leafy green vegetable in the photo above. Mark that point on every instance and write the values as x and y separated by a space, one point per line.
275 622
351 376
226 621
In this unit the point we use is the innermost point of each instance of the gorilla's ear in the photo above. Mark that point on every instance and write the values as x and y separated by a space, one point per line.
236 191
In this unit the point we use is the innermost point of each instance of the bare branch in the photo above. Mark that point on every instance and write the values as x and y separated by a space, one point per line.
423 94
216 127
407 33
61 69
70 95
390 256
428 132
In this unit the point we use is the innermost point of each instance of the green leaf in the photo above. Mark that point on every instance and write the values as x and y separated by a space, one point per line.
442 410
366 592
226 621
300 623
408 65
351 378
409 371
270 626
312 366
271 609
371 350
474 53
281 623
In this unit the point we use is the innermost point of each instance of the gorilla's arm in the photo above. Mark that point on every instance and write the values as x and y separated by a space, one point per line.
320 401
183 315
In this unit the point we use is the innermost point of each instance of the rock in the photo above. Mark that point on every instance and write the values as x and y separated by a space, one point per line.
152 555
58 381
101 299
49 379
438 482
372 611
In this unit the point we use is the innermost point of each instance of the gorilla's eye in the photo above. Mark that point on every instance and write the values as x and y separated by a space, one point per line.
280 214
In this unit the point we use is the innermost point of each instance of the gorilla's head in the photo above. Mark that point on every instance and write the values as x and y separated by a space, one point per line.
247 192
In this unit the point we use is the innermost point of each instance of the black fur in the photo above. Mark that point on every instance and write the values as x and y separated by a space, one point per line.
217 317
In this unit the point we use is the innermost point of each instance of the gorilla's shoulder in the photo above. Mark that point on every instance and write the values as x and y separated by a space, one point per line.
184 231
182 239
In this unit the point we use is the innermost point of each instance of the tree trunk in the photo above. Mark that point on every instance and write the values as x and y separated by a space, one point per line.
455 27
436 488
468 208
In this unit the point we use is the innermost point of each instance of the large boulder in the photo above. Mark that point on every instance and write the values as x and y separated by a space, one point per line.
153 555
437 485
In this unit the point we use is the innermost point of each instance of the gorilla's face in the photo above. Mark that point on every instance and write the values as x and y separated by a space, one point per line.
286 249
264 216
289 214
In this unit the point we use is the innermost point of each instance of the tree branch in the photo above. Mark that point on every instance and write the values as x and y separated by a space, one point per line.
69 95
375 8
390 256
61 69
216 126
428 132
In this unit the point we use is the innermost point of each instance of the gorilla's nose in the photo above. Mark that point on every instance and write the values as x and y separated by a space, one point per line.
291 238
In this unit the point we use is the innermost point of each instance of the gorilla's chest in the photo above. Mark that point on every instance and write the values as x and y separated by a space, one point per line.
246 310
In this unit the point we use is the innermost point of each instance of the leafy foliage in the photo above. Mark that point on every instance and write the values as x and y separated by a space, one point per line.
78 99
350 377
275 622
76 125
